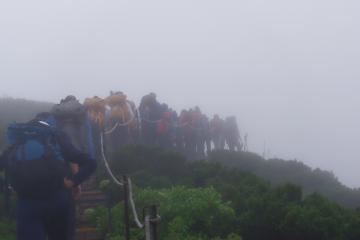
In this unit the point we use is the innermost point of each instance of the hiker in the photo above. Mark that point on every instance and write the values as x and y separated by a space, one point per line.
121 120
95 108
71 118
232 134
37 163
245 147
186 133
206 134
180 124
151 114
173 128
164 128
198 149
217 132
177 133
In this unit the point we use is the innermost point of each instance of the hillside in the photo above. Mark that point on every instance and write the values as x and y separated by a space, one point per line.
13 109
205 200
19 110
279 172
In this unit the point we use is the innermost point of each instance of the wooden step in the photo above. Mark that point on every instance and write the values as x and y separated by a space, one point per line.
91 194
90 198
87 233
86 230
89 184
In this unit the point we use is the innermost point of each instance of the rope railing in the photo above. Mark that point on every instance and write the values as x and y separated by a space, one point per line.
151 121
112 129
175 125
132 204
118 124
107 167
196 128
121 183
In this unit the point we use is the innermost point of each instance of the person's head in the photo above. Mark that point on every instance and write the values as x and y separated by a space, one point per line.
69 98
164 107
153 95
197 109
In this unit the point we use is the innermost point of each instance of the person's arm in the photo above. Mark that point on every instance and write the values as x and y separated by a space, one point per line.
87 164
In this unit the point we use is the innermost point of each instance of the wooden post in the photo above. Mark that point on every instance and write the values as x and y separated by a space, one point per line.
151 220
126 208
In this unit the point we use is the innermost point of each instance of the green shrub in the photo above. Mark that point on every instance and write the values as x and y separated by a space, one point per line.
7 229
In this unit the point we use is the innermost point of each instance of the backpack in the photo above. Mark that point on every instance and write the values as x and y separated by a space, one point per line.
71 117
69 110
148 101
116 99
96 108
35 166
122 110
161 128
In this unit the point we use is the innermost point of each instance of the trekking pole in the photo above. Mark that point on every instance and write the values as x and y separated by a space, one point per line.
126 208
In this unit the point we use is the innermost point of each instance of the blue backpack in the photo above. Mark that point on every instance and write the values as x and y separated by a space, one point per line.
36 167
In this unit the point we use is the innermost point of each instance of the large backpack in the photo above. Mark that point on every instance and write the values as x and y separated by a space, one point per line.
122 110
71 117
69 109
35 164
96 110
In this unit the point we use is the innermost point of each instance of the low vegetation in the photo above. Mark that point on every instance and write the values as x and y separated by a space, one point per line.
206 200
279 172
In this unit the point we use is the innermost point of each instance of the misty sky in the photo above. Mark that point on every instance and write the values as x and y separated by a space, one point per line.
287 69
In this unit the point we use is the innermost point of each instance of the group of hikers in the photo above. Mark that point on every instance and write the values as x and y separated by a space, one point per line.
191 132
50 156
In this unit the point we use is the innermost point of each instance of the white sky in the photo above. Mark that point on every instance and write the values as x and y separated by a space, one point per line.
288 69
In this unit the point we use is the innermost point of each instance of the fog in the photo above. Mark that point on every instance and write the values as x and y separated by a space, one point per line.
287 69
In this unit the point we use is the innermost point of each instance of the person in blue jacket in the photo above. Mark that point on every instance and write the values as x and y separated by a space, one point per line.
52 216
